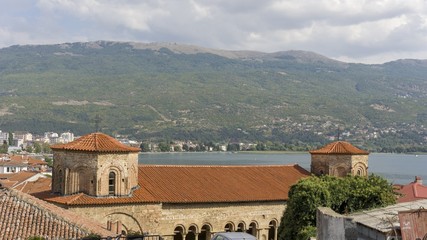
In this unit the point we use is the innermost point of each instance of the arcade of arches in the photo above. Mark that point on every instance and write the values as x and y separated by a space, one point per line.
193 232
192 221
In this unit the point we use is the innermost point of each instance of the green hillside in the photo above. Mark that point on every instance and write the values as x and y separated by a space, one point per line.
174 91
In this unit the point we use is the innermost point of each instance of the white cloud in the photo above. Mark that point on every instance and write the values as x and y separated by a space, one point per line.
377 30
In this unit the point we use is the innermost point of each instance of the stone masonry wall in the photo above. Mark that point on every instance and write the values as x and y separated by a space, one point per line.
359 162
88 172
163 219
124 165
335 165
74 172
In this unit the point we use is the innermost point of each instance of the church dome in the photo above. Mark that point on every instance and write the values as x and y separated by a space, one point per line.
95 142
340 147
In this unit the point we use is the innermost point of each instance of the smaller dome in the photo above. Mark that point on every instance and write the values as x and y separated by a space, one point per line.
95 142
340 147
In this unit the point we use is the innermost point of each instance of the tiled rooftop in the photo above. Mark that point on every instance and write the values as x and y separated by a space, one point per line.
200 184
12 179
23 216
412 191
40 185
95 142
340 147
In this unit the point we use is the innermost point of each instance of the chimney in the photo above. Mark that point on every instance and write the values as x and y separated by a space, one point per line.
418 180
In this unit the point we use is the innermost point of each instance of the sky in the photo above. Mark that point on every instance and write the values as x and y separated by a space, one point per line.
362 31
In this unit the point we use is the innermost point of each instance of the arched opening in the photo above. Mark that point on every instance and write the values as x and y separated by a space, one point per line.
205 232
272 230
252 229
229 227
360 170
191 235
112 183
179 233
241 227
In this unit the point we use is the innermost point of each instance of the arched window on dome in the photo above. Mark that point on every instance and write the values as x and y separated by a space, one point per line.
112 183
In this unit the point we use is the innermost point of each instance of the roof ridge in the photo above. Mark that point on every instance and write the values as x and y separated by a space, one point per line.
224 166
339 147
74 198
96 142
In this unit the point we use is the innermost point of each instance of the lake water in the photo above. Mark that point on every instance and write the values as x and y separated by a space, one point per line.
397 168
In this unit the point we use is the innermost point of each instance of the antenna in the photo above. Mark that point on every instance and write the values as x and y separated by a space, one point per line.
97 121
338 134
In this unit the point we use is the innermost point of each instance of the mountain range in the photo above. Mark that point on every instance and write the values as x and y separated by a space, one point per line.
175 91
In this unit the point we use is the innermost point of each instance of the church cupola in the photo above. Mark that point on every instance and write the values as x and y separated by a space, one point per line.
95 164
339 159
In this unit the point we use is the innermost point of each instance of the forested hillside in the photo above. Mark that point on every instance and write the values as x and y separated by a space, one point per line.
171 91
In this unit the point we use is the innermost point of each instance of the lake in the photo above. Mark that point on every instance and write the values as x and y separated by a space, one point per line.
397 168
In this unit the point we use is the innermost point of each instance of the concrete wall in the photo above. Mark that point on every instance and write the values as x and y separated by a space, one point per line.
334 226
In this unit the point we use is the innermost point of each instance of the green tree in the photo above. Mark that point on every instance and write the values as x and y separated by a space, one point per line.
343 195
37 147
10 139
49 161
145 147
46 148
177 149
4 147
164 147
29 148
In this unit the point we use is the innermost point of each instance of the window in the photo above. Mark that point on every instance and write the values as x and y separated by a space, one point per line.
111 183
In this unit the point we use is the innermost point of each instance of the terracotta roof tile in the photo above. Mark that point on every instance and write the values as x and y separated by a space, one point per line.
40 185
200 184
95 142
23 216
340 147
16 178
412 191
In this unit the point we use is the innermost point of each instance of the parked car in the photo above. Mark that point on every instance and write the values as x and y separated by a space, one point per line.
233 236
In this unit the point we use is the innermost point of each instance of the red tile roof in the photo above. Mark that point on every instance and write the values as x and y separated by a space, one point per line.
341 148
412 191
13 179
23 216
13 161
200 184
39 185
95 142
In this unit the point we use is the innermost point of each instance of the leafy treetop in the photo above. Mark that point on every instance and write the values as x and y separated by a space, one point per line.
343 195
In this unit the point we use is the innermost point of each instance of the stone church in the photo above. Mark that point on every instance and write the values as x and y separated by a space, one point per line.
99 177
339 159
